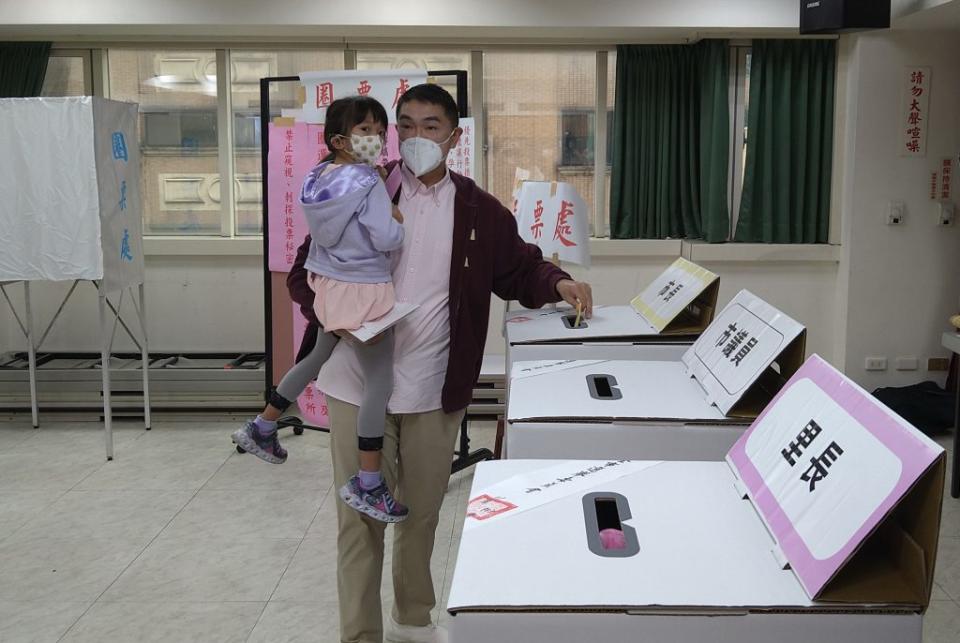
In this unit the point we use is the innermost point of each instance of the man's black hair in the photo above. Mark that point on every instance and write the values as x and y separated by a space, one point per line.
432 95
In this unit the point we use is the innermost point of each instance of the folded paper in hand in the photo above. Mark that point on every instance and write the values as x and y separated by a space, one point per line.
373 328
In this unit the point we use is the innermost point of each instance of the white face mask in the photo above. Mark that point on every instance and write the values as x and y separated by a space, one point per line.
422 155
366 149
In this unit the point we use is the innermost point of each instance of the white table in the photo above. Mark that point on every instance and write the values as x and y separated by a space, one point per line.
952 342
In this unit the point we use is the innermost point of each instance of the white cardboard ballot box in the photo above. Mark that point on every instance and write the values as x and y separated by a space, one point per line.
691 409
821 525
659 324
70 180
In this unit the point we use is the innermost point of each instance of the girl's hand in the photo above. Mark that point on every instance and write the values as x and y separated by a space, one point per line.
383 172
397 214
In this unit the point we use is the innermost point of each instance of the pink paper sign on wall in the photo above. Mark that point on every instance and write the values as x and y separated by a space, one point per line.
294 151
312 403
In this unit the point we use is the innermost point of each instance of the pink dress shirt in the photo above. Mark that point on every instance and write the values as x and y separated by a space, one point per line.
421 275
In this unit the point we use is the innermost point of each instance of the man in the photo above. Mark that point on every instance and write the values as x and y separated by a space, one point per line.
461 246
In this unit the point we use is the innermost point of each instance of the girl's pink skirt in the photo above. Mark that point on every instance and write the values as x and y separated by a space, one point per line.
341 305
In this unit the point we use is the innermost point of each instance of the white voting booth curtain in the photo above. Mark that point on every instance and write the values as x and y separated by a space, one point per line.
70 180
70 211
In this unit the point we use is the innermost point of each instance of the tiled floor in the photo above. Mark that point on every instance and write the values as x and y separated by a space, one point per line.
182 539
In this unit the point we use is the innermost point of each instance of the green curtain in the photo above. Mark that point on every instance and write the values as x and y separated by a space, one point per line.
671 142
23 66
786 183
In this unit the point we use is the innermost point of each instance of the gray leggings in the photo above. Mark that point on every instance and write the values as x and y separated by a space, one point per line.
376 364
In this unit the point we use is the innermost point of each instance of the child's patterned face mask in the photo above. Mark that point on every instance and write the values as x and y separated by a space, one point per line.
366 149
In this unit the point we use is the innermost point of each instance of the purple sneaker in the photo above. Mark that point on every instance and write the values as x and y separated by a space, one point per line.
378 503
266 448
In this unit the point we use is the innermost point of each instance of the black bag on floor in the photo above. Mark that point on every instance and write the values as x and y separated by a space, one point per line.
925 405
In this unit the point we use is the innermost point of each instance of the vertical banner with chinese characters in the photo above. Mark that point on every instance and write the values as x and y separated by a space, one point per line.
312 403
554 217
946 179
461 159
118 185
824 464
324 87
295 148
916 113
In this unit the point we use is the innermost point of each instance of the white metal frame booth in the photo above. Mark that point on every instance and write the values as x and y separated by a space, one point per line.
73 168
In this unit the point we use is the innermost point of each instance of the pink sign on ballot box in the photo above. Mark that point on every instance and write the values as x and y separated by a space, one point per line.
825 464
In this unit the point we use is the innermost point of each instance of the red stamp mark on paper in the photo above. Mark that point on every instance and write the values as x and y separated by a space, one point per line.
484 507
517 320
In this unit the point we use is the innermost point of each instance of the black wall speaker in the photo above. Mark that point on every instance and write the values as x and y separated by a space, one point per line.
837 16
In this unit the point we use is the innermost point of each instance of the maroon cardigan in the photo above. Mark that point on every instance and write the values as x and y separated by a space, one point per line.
488 257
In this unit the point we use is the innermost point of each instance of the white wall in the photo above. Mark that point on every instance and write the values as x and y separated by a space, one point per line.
212 304
902 282
903 8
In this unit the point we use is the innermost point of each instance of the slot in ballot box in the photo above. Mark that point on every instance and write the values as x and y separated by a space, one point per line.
691 409
659 324
821 525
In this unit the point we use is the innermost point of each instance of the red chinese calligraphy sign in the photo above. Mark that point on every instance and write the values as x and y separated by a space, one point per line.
564 229
915 119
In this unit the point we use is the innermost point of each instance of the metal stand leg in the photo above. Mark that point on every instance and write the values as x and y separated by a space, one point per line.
144 359
105 339
955 475
31 356
464 457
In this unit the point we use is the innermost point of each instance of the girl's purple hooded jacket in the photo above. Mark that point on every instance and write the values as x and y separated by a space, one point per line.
350 218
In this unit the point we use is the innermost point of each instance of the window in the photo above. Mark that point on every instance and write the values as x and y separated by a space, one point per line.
68 74
540 112
247 67
577 144
540 116
180 176
188 129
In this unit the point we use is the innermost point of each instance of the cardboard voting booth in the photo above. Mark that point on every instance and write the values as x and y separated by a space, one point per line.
659 324
692 409
821 525
70 176
71 211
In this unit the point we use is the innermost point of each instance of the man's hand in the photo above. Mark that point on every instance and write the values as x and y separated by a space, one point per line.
577 292
397 215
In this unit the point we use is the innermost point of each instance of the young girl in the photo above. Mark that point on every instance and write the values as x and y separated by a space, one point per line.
354 227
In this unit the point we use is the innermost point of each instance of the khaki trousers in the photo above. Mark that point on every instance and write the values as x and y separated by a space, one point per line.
417 453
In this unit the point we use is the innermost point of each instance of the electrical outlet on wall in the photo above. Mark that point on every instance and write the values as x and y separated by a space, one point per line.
938 364
896 213
876 364
907 363
945 213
